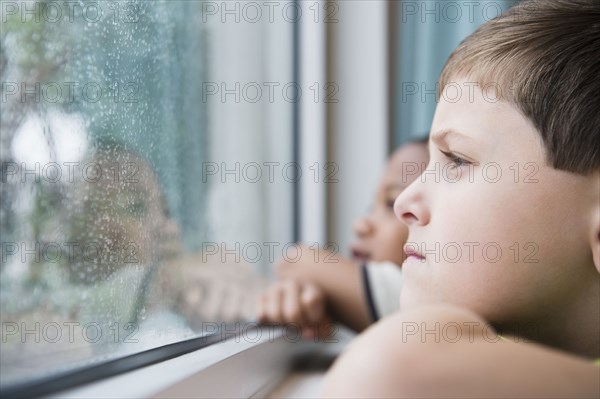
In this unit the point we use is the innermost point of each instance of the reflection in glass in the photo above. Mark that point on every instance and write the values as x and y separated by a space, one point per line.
103 213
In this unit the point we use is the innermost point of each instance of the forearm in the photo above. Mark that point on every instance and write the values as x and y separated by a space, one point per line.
447 352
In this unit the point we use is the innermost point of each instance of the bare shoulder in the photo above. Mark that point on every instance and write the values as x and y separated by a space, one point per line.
445 351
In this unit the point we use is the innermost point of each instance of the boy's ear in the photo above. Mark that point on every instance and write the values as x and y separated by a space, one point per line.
596 243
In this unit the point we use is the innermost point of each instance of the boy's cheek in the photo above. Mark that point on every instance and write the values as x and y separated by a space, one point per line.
488 274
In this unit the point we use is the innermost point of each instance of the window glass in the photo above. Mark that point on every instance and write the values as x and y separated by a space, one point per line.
132 211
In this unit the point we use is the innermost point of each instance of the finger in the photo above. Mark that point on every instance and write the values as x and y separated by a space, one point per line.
259 310
291 307
282 269
272 304
321 331
312 303
308 333
262 304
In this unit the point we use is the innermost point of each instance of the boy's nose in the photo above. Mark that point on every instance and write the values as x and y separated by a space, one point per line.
410 207
363 227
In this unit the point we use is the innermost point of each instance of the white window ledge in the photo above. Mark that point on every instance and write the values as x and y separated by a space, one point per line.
240 367
244 366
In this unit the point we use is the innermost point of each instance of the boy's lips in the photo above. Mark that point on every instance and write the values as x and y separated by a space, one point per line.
360 255
409 250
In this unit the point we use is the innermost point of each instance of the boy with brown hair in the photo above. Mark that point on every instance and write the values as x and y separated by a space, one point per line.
504 225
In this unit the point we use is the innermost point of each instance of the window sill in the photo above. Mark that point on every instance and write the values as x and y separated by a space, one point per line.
238 367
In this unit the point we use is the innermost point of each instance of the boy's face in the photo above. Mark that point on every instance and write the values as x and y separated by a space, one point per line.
379 235
123 214
500 232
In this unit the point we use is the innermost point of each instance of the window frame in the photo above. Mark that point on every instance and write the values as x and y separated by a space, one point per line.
204 372
111 368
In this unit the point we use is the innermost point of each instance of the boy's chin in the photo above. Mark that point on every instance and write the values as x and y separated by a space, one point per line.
411 299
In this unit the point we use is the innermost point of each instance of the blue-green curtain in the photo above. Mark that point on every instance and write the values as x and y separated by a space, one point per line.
427 32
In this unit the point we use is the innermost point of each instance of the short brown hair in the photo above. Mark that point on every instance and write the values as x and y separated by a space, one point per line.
544 56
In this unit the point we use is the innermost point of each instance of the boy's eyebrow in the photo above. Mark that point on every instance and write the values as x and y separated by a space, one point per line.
443 135
392 187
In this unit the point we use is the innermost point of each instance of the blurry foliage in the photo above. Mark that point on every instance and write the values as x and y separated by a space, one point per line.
39 49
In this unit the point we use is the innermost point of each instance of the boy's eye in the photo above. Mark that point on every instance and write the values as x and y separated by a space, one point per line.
390 203
455 159
390 199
